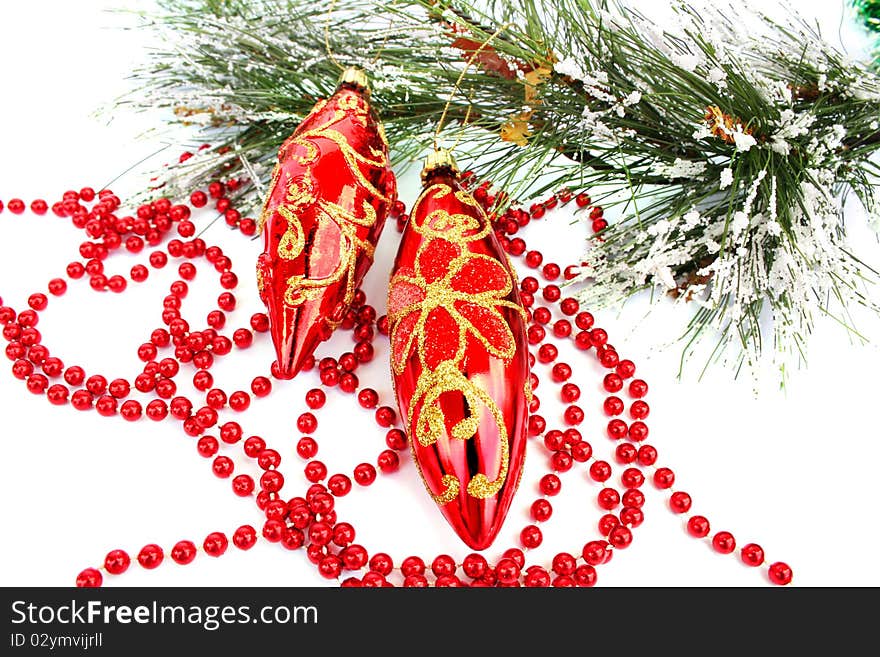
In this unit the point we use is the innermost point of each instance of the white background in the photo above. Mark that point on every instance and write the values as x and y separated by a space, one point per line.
793 470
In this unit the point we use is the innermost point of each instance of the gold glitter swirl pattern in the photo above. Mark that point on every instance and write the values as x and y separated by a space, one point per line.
301 193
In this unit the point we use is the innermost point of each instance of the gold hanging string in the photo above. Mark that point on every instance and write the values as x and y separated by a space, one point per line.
458 82
327 36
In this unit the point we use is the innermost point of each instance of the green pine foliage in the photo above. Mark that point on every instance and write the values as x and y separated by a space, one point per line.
728 146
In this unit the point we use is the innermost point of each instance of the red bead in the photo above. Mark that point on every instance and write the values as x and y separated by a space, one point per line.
551 272
570 393
57 286
600 471
562 328
388 461
633 497
223 466
330 566
443 565
150 556
320 533
81 400
639 410
581 451
306 447
507 571
242 338
620 537
106 405
561 461
57 394
698 526
315 471
724 542
608 522
119 388
239 401
547 353
415 566
271 481
613 406
531 537
117 562
664 478
261 386
202 380
608 498
533 259
131 410
638 388
368 398
585 576
516 247
752 554
564 564
343 534
307 423
638 431
550 485
561 372
647 455
631 516
474 566
541 510
573 415
207 446
395 439
542 315
315 398
385 416
90 577
198 199
215 544
529 284
535 334
364 474
244 537
626 369
596 552
363 352
551 293
780 573
381 563
38 301
680 502
608 358
632 477
554 440
22 369
183 552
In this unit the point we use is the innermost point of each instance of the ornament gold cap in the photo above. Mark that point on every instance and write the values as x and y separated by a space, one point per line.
355 77
439 159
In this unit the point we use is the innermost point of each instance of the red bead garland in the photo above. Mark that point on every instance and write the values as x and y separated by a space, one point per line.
310 521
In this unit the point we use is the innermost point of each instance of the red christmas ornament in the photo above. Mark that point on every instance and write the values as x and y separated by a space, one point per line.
459 355
326 207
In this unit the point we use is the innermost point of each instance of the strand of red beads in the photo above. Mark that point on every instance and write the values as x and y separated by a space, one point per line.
310 520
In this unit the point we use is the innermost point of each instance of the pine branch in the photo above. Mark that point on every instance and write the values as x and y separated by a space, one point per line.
737 146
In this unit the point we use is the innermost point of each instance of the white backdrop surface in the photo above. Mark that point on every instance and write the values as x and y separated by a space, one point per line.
793 469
